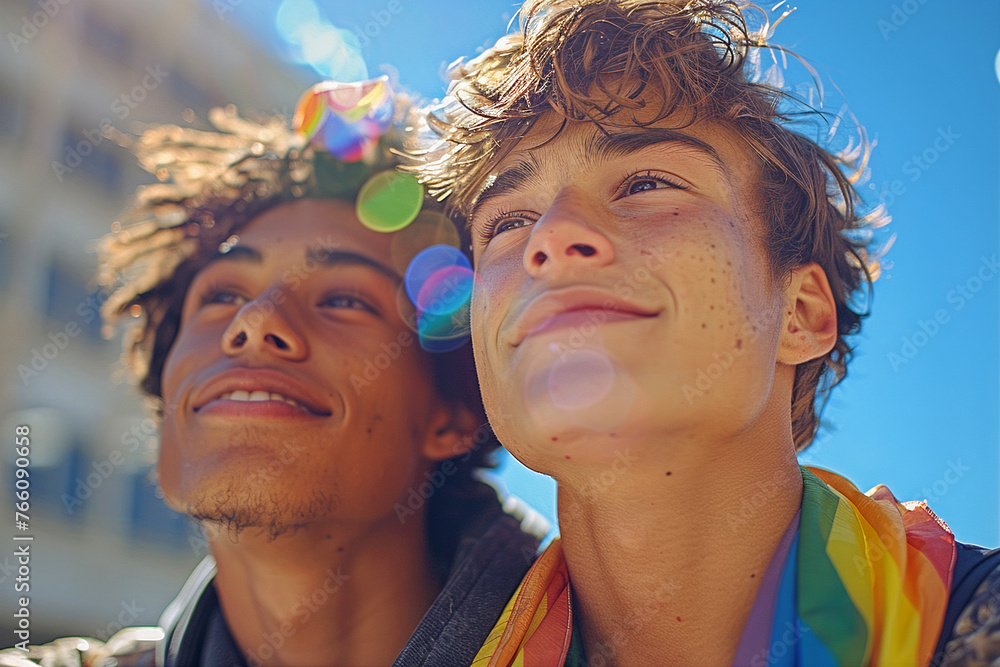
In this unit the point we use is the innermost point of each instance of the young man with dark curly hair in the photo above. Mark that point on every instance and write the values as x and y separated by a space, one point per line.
328 455
666 285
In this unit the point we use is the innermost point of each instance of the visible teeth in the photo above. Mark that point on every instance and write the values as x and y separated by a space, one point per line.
279 397
258 395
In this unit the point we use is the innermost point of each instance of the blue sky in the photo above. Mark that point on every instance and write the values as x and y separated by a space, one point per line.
920 410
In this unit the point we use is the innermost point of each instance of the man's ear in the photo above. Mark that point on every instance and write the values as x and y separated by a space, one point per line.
809 321
452 433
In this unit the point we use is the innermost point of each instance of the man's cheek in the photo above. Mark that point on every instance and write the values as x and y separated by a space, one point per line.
168 470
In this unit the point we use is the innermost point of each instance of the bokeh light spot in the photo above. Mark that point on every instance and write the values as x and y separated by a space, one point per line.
439 282
446 290
428 262
389 201
580 378
443 333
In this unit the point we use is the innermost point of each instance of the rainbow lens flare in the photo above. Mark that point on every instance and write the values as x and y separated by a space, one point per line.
345 119
439 282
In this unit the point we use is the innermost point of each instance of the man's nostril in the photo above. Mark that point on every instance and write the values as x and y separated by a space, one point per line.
584 249
278 342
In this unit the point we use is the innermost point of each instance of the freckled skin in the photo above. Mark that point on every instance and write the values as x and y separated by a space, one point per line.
695 230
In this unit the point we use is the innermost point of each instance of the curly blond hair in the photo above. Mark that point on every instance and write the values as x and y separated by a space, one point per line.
591 59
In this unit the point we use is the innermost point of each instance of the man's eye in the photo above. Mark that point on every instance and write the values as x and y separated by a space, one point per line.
649 181
511 223
346 301
221 296
503 222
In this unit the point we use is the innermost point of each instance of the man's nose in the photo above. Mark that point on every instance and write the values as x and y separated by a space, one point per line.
568 236
265 326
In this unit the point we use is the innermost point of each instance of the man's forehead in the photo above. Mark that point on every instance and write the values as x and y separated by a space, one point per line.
554 142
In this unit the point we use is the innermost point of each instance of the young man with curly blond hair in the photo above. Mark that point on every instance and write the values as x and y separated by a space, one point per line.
666 289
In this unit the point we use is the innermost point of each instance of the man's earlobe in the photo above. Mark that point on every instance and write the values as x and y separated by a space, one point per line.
454 433
809 322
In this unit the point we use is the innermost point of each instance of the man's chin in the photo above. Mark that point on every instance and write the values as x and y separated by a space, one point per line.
232 515
582 392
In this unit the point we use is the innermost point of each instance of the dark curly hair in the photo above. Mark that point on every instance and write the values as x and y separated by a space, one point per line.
215 183
591 59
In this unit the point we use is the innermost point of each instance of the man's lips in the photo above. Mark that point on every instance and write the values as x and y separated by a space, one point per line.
258 391
574 306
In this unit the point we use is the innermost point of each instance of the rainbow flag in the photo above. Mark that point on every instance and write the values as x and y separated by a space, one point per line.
874 575
535 627
866 583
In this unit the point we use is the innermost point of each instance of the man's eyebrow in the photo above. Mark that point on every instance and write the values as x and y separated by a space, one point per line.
328 257
604 146
320 255
237 253
513 178
598 147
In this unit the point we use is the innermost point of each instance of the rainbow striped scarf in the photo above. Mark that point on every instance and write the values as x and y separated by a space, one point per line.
866 583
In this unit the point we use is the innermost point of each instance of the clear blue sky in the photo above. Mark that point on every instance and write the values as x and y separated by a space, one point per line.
922 78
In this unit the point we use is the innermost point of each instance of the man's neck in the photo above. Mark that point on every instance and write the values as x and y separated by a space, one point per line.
325 595
665 563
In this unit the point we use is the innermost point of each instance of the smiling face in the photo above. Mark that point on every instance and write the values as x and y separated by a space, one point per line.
623 292
294 390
